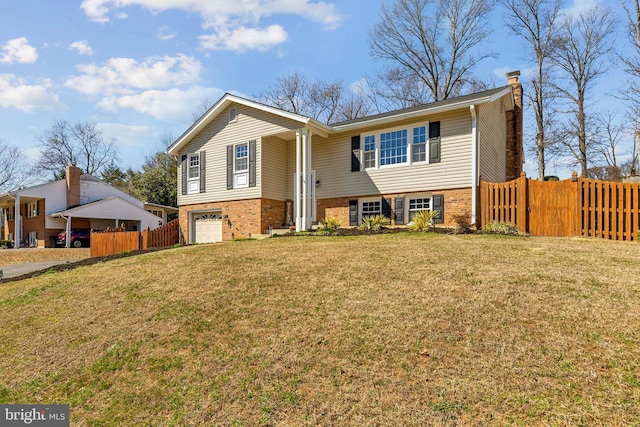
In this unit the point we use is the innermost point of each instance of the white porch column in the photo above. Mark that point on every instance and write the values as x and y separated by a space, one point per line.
17 224
305 180
67 241
308 199
298 190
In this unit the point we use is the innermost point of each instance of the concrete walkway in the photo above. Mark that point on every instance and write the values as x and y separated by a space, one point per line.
16 270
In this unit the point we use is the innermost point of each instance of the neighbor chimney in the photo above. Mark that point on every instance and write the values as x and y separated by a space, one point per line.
515 153
73 185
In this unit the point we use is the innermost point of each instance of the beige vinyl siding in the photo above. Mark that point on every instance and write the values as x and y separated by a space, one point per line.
214 139
274 169
492 132
332 162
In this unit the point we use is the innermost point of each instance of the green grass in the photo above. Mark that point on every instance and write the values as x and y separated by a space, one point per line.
393 329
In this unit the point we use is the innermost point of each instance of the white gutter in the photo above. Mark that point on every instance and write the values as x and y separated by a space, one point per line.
474 162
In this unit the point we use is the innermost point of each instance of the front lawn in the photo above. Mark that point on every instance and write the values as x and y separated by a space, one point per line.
393 329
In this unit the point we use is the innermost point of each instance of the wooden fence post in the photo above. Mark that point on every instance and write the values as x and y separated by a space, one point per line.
522 212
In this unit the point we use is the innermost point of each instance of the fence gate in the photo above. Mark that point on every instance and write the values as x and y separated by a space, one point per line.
551 208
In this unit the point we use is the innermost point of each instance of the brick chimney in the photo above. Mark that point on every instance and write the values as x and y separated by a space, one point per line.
515 153
73 185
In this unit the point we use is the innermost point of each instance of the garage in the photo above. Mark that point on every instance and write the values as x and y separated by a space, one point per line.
207 227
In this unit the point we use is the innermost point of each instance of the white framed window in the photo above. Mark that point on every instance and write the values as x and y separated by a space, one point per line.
233 115
370 207
193 174
419 145
417 204
194 166
11 213
241 165
369 151
32 209
242 158
396 146
393 147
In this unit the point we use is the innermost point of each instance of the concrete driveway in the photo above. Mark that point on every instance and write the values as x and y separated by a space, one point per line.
15 270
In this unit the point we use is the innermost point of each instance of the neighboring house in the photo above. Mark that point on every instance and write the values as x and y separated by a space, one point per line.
161 211
246 168
80 201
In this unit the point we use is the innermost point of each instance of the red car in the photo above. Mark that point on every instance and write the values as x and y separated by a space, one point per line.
79 238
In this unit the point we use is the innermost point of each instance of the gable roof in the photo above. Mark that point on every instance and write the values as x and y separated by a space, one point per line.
405 113
108 208
228 99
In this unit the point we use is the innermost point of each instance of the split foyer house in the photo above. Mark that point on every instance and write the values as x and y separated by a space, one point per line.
246 168
34 216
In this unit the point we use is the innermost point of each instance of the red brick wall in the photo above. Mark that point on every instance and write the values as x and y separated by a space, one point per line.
243 217
515 155
456 202
35 223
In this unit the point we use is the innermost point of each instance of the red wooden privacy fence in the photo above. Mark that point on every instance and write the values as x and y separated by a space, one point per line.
113 241
574 207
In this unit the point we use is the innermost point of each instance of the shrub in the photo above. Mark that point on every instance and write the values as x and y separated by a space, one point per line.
463 222
6 244
503 228
423 220
328 227
374 222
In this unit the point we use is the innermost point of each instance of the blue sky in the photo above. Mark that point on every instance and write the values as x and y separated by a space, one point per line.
139 68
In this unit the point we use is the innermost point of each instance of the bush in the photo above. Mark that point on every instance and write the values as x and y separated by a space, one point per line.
463 222
423 220
504 228
374 222
6 244
328 227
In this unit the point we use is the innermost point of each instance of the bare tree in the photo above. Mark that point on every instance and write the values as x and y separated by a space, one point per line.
14 170
610 134
327 102
431 43
582 45
288 93
535 21
202 107
82 144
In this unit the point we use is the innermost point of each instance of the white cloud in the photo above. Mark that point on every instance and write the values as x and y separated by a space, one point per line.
18 50
28 97
579 6
235 24
173 105
126 75
82 47
165 33
241 39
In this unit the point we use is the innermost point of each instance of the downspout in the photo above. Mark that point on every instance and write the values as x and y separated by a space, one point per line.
474 163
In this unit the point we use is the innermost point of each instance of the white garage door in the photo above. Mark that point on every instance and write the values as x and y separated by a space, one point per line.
207 227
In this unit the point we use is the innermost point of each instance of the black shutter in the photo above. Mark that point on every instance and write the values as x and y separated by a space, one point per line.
185 167
252 163
353 212
355 153
434 142
386 207
438 206
399 210
203 168
229 167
